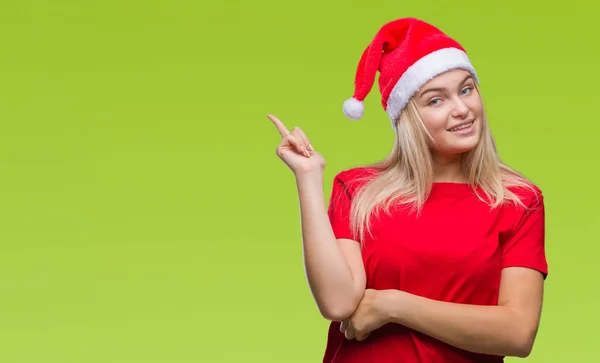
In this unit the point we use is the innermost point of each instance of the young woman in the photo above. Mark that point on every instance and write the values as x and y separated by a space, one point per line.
436 253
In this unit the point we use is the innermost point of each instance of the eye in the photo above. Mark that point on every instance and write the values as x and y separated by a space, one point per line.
433 101
466 90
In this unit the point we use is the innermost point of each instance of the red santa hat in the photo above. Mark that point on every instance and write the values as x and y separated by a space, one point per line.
407 53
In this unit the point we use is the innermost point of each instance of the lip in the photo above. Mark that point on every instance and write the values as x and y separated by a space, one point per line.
462 123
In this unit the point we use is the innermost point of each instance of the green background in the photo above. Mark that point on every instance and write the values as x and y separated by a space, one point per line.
144 215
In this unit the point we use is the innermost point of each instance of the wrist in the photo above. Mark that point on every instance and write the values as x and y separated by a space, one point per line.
313 176
396 306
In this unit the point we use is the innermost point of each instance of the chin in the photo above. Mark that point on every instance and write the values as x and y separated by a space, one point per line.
464 145
461 148
464 150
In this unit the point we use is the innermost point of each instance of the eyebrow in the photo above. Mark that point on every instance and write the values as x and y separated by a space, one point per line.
439 89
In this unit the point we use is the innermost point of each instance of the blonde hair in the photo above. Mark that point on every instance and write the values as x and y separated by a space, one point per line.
406 177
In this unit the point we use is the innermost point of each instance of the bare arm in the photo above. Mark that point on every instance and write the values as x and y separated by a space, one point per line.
334 268
508 329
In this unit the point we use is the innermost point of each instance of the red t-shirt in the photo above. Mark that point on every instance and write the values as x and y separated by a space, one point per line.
454 251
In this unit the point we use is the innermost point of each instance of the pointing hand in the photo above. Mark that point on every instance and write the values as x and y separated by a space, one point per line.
296 150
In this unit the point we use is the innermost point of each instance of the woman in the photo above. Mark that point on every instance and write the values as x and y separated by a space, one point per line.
436 253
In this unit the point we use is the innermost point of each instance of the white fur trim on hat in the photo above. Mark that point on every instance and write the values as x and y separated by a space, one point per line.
421 72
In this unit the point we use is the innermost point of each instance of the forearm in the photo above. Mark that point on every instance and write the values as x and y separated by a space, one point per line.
495 330
328 273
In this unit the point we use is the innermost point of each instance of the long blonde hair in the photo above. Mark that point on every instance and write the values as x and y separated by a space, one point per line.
405 176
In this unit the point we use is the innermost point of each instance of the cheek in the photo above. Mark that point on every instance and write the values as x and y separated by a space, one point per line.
435 123
476 105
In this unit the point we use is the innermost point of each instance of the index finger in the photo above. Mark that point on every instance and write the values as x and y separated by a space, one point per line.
280 126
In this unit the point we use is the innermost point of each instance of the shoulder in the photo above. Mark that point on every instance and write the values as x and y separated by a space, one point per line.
359 172
356 177
530 194
529 207
349 182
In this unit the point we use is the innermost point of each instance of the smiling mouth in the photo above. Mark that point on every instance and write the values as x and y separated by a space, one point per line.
463 126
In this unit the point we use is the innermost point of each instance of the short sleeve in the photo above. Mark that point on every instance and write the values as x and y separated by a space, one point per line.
339 209
525 247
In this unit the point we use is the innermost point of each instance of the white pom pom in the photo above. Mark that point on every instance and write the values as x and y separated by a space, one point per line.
353 109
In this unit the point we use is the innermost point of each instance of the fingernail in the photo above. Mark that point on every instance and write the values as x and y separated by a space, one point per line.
311 147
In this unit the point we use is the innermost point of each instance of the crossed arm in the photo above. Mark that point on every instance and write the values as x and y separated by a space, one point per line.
506 329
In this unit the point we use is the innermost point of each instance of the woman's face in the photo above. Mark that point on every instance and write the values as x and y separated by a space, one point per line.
452 111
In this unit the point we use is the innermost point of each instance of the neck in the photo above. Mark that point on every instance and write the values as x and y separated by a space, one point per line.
447 169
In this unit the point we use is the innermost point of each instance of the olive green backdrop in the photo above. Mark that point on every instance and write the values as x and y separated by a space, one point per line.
144 215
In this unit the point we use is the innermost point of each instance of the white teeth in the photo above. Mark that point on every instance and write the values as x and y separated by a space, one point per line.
461 127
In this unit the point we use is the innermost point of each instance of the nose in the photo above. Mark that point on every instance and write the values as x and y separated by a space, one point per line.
460 109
